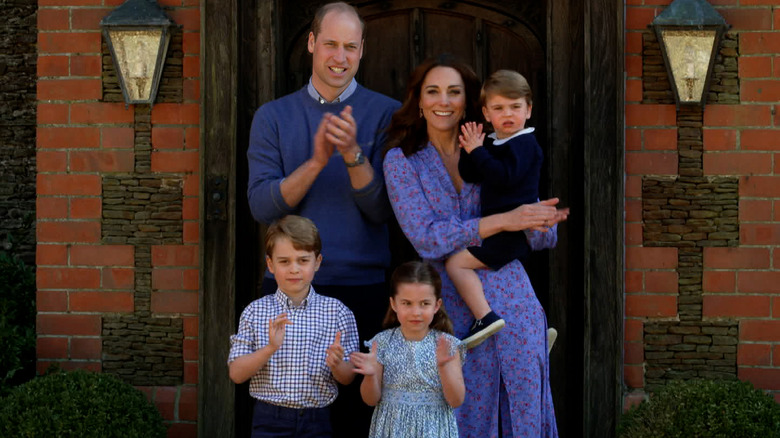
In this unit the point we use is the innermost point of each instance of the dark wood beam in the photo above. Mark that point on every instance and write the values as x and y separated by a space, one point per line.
219 58
604 198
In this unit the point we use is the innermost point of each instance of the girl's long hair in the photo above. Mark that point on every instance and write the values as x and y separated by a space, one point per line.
407 129
418 272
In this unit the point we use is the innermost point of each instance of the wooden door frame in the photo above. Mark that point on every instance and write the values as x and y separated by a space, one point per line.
585 114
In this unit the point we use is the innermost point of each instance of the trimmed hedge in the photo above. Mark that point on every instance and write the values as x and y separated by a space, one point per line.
79 404
17 322
704 409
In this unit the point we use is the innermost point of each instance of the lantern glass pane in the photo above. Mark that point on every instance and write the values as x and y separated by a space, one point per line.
136 58
689 52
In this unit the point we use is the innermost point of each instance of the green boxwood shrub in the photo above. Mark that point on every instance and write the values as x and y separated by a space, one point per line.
17 322
79 404
704 409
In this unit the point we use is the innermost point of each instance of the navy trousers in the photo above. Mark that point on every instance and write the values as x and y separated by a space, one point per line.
271 421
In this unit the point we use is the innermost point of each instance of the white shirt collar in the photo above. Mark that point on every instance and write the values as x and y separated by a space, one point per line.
500 141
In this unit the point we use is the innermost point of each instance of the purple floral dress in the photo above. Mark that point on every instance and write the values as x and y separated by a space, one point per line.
510 371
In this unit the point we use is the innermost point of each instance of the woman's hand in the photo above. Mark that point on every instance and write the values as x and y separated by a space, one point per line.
539 216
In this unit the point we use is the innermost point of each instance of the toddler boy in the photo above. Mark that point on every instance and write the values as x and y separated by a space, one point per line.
508 167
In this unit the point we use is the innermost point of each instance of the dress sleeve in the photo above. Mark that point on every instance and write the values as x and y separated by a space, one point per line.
542 240
381 340
433 232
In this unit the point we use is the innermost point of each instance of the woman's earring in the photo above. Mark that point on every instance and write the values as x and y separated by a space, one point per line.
421 112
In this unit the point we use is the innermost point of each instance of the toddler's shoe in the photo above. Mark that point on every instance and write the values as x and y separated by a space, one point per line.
552 335
482 329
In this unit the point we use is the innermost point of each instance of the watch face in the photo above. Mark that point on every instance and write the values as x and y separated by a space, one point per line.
359 159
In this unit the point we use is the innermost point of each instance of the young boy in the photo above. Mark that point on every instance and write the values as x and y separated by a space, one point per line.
508 167
293 346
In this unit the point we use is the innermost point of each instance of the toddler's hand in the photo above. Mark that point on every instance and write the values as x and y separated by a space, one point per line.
472 136
366 363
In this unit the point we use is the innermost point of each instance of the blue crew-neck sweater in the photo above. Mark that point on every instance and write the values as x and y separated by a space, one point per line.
352 223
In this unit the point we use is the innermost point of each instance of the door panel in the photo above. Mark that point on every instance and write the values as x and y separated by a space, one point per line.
401 34
386 62
449 33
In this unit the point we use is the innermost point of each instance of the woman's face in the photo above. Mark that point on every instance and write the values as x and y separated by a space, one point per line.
443 99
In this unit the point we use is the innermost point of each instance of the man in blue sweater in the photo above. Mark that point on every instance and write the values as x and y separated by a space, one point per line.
318 153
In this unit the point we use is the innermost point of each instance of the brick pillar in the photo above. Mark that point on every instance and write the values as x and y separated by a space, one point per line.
118 217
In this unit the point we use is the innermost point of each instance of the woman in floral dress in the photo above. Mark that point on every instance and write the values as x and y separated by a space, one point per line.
507 377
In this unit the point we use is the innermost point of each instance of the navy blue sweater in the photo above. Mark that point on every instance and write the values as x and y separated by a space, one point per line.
509 173
352 223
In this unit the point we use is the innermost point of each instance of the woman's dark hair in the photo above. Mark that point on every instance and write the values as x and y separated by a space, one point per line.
407 129
418 272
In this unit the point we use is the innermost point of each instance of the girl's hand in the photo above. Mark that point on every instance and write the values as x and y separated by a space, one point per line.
276 330
443 348
472 136
366 363
334 355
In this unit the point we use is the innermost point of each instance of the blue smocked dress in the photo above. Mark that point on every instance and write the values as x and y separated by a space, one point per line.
412 403
507 377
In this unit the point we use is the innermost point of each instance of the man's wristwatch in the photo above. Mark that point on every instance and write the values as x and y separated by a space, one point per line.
359 159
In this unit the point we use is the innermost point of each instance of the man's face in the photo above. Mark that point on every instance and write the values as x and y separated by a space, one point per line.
336 53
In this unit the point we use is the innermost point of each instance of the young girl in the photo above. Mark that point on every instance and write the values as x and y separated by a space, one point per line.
413 372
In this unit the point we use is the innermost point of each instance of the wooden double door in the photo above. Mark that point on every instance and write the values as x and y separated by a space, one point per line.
255 51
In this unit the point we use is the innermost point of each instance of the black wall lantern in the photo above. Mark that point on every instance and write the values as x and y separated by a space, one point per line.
689 32
138 33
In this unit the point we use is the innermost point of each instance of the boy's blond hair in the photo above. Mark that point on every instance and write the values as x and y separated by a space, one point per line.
301 231
506 83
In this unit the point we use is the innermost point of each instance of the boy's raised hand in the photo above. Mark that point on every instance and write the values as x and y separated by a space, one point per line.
443 355
366 363
276 330
471 136
334 355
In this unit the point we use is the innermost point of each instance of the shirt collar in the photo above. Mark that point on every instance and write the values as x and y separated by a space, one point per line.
285 301
341 97
501 141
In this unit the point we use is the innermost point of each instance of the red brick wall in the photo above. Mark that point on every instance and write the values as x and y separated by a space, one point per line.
80 139
739 283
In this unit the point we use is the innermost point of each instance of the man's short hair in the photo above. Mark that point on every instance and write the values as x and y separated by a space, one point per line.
506 83
340 7
301 231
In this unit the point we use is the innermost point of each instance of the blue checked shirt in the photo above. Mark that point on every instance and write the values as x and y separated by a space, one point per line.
296 375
